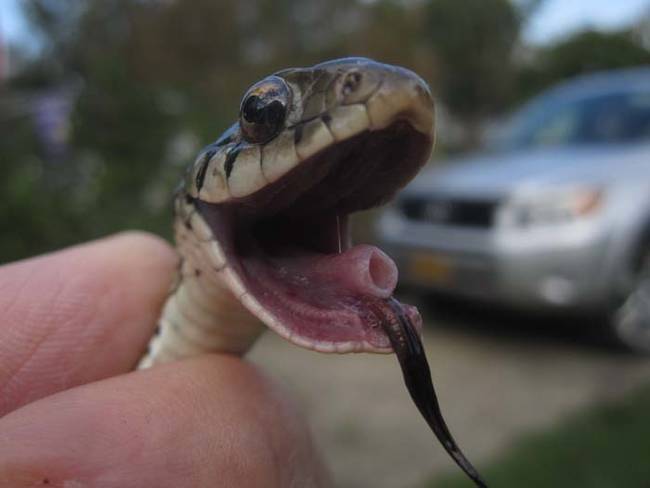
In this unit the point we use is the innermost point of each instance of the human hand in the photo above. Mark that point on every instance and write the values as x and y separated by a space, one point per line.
73 325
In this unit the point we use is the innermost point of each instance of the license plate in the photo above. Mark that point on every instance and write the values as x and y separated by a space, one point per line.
430 268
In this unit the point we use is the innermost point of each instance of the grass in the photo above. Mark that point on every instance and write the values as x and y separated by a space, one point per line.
605 446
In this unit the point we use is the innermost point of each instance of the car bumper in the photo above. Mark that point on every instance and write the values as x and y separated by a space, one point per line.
559 268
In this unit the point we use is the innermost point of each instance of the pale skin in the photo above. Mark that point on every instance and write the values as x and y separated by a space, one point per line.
73 414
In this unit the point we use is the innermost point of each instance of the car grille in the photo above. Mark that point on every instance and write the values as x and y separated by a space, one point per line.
447 211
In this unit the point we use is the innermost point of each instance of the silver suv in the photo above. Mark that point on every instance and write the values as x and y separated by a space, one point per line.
554 215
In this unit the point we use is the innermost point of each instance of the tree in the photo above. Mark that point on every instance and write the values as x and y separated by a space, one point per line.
473 42
155 77
593 51
582 53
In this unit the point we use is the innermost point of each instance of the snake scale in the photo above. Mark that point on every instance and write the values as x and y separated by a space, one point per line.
261 224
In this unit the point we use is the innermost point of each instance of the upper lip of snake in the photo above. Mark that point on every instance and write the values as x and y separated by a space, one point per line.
282 230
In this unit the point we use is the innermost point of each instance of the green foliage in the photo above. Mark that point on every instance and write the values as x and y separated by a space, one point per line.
116 174
601 448
583 53
473 42
593 51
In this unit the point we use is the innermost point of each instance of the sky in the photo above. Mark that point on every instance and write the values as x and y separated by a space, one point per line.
554 20
559 18
12 26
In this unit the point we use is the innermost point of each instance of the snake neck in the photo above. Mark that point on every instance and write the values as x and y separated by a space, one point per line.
201 314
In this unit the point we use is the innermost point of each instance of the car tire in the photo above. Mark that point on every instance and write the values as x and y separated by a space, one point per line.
630 321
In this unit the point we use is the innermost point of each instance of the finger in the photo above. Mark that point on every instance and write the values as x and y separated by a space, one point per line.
78 315
206 422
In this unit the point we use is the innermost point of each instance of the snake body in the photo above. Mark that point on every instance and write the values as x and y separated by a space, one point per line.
261 223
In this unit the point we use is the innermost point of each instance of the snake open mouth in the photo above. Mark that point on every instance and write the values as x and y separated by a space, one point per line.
289 242
262 223
264 210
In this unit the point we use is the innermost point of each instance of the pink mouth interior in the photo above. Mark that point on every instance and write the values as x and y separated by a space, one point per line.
325 296
290 245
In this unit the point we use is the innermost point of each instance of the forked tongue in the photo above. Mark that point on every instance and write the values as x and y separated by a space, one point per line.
404 338
366 270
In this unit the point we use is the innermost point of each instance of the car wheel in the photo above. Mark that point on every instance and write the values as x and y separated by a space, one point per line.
630 322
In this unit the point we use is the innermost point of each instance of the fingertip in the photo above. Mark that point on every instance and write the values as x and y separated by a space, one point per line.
145 245
80 314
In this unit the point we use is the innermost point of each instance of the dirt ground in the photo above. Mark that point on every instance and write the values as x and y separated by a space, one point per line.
496 377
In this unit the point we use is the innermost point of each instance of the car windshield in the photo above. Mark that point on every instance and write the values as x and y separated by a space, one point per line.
608 118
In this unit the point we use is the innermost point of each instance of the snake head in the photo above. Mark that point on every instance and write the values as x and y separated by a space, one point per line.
273 193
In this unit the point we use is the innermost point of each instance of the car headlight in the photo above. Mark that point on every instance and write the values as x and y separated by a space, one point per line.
550 207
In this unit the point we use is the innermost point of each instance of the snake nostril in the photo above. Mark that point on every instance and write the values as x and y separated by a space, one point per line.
351 82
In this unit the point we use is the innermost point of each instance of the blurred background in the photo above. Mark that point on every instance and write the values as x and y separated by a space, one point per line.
528 241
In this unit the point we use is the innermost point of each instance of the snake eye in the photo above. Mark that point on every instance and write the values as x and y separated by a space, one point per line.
263 109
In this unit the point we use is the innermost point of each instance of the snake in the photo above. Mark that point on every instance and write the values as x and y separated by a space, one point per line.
262 224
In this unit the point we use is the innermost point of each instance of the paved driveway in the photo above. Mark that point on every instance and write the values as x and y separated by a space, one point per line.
494 382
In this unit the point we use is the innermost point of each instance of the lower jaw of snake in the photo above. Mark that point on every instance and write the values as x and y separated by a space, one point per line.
289 243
